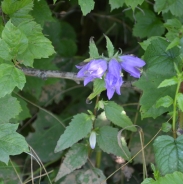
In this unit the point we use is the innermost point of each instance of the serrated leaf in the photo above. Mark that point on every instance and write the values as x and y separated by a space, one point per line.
165 101
147 25
180 101
91 176
15 39
176 8
168 154
93 51
9 108
10 77
98 87
156 62
116 4
38 45
86 7
78 128
168 82
5 50
161 5
18 10
133 3
107 141
11 143
74 159
42 139
110 47
115 114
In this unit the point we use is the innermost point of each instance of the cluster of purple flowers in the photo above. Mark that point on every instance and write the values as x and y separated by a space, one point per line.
112 71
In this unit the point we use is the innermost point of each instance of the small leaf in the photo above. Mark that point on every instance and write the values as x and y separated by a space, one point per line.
114 114
110 47
74 159
168 154
9 108
116 4
78 128
86 7
98 87
11 143
180 101
10 77
166 127
107 141
168 82
165 101
173 43
133 3
93 51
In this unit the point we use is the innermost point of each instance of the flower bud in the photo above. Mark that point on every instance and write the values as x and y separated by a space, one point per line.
92 139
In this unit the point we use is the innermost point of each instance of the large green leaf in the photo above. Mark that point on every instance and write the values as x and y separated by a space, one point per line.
86 7
161 5
115 114
107 141
5 50
9 108
16 40
10 77
78 128
133 3
116 4
147 25
11 143
156 62
74 159
43 140
18 10
168 154
38 45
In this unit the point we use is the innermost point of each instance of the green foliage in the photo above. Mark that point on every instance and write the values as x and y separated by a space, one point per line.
86 7
133 3
168 82
116 4
166 127
78 128
180 101
93 51
10 108
165 101
116 115
11 143
110 47
107 141
147 25
10 77
168 154
74 159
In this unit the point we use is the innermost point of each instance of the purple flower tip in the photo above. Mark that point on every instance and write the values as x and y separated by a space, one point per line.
132 65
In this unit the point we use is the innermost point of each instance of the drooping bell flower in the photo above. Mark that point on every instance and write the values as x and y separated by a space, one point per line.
113 79
92 139
94 69
132 65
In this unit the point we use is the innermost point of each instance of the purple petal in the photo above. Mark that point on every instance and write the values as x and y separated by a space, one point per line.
114 67
87 80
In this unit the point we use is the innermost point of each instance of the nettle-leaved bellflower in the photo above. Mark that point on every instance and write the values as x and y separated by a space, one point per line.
94 69
113 79
132 65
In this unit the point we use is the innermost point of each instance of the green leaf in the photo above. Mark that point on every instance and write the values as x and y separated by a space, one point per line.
78 128
165 101
161 5
180 101
18 10
110 47
173 43
115 114
42 139
16 40
98 87
147 42
133 3
74 159
116 4
9 108
41 12
11 143
86 7
10 77
168 82
166 127
93 51
38 45
5 50
147 25
176 8
107 141
93 176
156 62
168 154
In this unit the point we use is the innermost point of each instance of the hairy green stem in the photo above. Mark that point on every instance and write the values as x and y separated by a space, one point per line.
98 158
